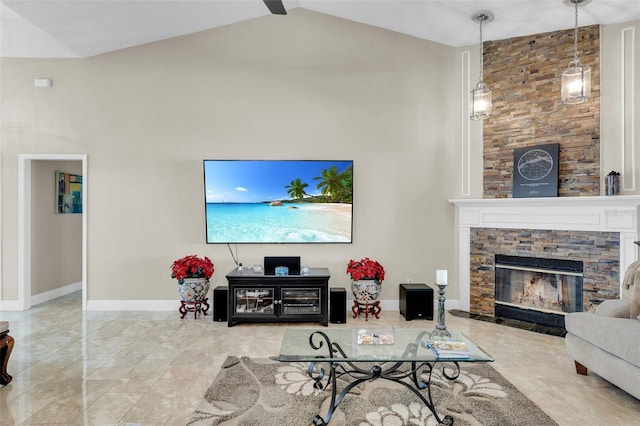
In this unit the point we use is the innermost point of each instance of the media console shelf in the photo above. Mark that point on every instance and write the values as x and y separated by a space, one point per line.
255 297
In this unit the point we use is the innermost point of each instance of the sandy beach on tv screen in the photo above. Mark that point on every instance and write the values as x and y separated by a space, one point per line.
342 209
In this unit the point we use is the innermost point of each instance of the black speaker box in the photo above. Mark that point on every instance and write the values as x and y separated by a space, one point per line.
338 305
220 303
416 301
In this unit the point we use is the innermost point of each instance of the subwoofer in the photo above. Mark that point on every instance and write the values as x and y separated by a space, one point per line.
338 305
220 303
416 301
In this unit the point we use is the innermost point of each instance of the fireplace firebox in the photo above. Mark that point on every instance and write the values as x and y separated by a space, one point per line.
537 290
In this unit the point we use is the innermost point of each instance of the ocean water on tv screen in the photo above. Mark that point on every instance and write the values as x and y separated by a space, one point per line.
289 223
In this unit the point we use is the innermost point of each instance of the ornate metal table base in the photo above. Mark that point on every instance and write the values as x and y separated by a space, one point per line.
195 307
407 373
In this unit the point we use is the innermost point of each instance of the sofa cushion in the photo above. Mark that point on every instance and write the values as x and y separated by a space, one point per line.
627 281
617 336
631 287
613 308
634 305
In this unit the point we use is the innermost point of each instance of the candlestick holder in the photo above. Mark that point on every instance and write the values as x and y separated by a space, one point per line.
441 327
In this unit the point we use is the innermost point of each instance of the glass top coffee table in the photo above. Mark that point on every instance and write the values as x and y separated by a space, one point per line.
401 355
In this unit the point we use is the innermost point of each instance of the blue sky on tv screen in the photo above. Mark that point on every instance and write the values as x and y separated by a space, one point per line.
247 181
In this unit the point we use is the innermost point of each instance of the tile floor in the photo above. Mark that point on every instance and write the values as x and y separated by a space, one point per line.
151 368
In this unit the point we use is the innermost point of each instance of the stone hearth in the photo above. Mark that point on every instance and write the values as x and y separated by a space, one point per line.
599 231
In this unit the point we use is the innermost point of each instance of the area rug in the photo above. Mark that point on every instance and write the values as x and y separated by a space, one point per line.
253 391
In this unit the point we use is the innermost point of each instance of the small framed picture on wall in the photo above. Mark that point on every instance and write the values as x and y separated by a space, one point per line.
535 171
69 192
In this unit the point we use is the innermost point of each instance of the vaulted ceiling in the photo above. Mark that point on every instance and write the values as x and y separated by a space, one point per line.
84 28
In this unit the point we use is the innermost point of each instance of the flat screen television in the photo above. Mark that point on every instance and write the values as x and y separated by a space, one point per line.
278 201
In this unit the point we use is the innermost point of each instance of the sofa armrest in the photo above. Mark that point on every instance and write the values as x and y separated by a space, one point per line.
613 308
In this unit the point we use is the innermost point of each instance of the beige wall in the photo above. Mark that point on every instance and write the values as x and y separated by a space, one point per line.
56 239
308 87
468 144
620 101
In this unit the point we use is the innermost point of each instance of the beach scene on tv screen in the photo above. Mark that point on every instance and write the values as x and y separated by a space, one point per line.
256 201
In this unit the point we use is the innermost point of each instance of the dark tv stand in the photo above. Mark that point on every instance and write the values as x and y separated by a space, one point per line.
255 297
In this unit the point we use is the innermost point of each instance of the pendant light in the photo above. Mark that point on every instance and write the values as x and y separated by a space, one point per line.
480 98
576 79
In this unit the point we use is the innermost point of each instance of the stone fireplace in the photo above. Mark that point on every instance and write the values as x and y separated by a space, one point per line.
538 290
597 251
597 232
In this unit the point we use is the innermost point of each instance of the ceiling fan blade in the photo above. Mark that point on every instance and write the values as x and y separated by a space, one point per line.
276 7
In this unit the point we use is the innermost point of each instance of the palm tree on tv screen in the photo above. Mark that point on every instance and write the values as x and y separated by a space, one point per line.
296 189
346 190
332 183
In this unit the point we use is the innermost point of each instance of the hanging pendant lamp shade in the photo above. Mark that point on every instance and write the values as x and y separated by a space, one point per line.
480 97
576 79
480 102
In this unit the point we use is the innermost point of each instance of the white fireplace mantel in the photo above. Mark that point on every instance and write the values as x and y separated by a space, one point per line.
596 214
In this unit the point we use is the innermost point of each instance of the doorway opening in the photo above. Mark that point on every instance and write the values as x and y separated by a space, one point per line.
25 164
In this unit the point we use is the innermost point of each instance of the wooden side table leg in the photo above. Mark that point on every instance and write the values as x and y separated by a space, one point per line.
355 309
198 307
377 309
6 346
205 302
182 309
581 369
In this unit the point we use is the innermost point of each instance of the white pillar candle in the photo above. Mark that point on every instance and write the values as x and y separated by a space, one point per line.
441 277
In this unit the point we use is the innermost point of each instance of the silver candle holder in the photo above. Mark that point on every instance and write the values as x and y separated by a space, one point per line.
441 327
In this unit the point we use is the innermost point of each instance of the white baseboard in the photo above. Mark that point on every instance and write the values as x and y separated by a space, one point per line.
448 305
133 305
173 305
394 305
388 305
55 293
10 305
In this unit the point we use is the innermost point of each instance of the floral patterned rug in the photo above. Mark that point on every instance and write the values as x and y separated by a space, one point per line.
250 391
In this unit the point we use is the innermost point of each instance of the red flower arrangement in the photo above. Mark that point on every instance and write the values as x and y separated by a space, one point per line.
192 267
365 269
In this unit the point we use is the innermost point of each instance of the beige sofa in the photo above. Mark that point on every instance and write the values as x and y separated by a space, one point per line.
607 341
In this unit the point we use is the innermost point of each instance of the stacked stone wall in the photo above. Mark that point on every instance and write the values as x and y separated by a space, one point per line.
524 74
